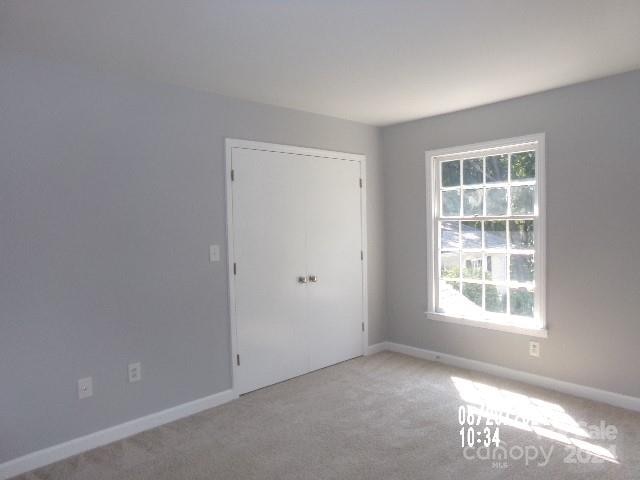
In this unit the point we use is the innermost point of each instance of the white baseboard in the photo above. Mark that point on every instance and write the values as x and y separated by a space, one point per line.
590 393
78 445
82 444
376 348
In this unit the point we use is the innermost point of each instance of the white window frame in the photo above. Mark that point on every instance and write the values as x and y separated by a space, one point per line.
432 169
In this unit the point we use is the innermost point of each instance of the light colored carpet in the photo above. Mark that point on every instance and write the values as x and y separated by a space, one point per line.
386 416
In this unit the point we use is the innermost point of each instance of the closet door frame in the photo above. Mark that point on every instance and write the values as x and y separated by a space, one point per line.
230 145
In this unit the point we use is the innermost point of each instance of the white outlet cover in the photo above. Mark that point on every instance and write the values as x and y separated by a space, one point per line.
135 372
534 349
85 388
214 253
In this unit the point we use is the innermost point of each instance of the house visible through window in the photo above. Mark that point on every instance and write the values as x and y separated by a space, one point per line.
486 247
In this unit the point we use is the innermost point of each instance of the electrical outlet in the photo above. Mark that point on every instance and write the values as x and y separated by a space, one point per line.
85 388
135 372
534 349
214 253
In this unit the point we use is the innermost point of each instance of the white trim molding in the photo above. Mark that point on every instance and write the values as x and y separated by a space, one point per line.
296 150
376 348
85 443
532 332
583 391
535 326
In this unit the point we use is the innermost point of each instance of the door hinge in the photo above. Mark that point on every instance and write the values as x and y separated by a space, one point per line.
360 183
361 255
363 326
235 268
238 359
233 175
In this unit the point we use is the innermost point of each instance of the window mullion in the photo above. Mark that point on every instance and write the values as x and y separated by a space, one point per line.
502 281
483 256
460 245
461 211
508 236
508 267
482 245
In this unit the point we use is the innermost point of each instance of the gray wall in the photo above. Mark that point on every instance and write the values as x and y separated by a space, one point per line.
593 262
111 190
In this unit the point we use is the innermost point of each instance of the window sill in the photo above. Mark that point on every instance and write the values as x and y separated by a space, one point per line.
532 332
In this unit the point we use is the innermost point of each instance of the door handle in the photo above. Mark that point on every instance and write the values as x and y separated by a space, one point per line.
303 280
313 278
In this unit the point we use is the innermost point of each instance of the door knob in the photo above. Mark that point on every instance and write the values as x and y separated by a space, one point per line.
302 280
313 278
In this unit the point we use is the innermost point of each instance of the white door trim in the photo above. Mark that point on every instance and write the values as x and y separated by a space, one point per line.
230 144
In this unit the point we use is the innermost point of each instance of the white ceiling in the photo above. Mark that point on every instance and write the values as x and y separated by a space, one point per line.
373 61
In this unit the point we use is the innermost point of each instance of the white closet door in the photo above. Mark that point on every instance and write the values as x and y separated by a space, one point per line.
334 243
269 215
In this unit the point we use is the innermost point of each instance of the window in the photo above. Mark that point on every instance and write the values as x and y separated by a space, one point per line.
486 235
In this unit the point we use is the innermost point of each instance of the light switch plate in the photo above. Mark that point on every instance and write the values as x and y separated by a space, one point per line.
214 253
85 388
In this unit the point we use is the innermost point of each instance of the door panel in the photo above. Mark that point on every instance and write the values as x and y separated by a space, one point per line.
334 243
270 252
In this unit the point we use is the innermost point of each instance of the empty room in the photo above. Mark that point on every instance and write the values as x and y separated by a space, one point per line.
319 239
